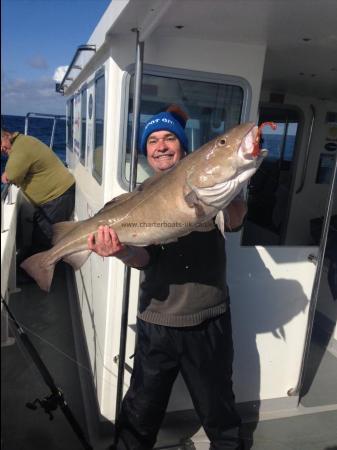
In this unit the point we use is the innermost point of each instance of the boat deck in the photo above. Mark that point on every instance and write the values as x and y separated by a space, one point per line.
47 319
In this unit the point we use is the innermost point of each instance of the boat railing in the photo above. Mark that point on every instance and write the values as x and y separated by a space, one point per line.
54 117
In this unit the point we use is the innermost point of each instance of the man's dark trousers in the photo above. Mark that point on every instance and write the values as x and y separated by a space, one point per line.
203 354
58 210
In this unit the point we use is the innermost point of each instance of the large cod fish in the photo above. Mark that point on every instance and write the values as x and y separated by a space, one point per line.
166 206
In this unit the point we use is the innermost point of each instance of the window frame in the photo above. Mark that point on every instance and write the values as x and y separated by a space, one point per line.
184 74
70 103
98 75
83 157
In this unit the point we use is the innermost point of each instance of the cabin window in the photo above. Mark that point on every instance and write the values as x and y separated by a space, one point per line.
70 123
83 125
212 106
270 189
99 128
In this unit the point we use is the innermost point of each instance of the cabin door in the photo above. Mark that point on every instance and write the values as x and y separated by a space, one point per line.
272 279
270 189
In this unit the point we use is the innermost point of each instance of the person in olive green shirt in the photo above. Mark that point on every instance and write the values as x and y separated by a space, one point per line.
44 180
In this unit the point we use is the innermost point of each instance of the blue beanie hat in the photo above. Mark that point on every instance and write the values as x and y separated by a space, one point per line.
167 121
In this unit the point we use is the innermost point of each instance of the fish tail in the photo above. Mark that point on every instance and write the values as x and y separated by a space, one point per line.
40 269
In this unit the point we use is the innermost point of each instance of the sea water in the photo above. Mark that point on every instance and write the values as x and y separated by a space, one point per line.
41 128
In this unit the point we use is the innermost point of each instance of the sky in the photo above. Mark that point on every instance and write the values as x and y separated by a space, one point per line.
37 38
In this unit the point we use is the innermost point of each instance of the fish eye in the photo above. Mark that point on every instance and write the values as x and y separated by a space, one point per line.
222 141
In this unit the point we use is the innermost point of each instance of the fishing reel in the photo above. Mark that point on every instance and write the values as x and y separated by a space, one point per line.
48 404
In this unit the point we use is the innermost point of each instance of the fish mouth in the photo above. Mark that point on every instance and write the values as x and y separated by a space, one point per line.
250 145
251 142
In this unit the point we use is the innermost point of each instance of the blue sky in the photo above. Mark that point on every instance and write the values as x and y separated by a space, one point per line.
38 36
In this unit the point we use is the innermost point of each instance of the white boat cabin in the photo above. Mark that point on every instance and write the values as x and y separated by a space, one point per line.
224 63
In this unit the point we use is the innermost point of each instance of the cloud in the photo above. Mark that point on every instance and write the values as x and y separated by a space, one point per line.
59 73
20 96
37 62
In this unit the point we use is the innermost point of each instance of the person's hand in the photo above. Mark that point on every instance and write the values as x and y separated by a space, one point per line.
4 178
105 242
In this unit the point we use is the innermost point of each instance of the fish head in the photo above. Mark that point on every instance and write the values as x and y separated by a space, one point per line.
226 156
225 164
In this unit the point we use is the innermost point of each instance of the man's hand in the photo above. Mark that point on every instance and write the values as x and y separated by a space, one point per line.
106 242
4 178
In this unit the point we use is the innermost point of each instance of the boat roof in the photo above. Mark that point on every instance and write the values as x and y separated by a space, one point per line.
300 36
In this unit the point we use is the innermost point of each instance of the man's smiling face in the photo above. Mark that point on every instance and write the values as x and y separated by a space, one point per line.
163 150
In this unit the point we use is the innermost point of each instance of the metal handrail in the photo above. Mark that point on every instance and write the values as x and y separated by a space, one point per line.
132 185
305 165
82 48
6 191
315 290
55 118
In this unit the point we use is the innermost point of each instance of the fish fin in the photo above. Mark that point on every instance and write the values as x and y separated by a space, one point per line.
190 198
119 199
150 181
206 226
127 195
76 260
37 267
193 202
165 241
222 221
60 229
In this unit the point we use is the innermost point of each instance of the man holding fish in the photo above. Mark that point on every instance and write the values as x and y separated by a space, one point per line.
184 317
184 320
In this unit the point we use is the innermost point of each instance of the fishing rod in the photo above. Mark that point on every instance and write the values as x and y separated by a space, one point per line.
56 398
